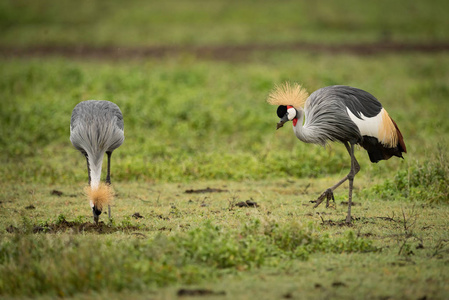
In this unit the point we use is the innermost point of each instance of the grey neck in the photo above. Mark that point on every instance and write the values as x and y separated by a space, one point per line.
303 132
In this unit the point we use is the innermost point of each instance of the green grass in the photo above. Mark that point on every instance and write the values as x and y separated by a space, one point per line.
200 22
187 257
190 119
202 240
192 123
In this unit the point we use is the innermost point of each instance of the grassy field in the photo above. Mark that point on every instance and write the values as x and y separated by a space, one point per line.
199 22
200 138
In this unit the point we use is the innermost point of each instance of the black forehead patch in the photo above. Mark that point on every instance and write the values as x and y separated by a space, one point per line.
282 110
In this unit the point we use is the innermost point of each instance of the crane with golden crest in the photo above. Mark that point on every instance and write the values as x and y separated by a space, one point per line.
339 114
96 128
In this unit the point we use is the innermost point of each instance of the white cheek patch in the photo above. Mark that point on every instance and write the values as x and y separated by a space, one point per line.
291 113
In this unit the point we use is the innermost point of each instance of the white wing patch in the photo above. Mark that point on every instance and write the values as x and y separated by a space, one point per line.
381 127
367 126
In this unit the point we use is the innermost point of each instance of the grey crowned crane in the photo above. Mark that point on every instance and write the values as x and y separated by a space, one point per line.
96 128
339 114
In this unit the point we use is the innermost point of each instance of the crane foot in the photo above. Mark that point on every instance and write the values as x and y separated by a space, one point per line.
348 220
328 194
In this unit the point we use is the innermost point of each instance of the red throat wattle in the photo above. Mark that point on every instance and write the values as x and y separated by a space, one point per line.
295 120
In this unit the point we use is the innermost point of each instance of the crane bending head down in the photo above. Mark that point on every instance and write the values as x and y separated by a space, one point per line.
339 114
96 128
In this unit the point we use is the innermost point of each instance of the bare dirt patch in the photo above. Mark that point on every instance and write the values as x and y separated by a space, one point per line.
56 193
199 292
247 203
352 203
218 52
73 227
206 190
137 215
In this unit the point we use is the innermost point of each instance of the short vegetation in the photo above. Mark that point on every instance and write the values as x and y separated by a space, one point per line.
200 140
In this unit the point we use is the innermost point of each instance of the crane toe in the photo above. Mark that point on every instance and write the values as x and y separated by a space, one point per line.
328 194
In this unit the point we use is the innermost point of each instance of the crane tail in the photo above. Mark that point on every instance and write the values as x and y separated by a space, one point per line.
401 144
378 150
387 142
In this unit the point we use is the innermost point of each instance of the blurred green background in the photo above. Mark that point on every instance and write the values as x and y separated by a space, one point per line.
190 115
197 22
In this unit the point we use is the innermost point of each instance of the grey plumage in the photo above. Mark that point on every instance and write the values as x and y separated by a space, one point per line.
358 101
96 128
339 113
326 118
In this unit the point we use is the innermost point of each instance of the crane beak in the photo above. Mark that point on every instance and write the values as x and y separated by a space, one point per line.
96 212
282 121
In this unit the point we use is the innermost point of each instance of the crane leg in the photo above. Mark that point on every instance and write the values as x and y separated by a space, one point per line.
108 180
355 168
96 217
329 193
108 176
88 168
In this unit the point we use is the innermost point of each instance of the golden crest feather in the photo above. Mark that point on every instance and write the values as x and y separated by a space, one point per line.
288 94
100 197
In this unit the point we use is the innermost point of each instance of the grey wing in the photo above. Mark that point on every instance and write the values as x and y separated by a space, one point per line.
96 122
115 110
77 125
118 114
116 137
327 117
77 114
356 100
